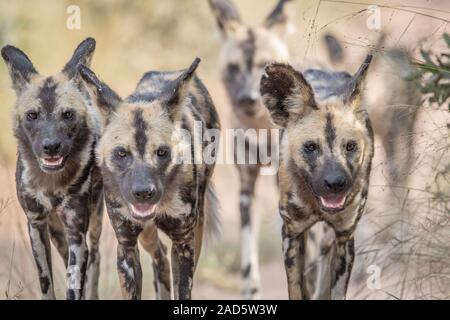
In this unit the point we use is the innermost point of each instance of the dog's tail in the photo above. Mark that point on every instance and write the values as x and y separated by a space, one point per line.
213 224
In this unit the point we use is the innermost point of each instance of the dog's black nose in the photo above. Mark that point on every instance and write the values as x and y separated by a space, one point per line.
335 183
248 98
51 146
143 193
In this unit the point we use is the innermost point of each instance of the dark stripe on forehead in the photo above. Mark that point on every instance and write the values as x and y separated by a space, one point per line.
140 127
47 95
330 131
249 48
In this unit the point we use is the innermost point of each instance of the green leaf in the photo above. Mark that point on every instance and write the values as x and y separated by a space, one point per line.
447 39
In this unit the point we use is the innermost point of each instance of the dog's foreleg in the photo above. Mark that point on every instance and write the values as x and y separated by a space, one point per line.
58 237
249 235
294 262
322 240
40 245
183 266
342 267
130 272
75 219
161 268
93 267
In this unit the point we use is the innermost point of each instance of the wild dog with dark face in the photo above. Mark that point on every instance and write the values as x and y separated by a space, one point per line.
146 186
326 153
245 52
393 105
391 79
58 184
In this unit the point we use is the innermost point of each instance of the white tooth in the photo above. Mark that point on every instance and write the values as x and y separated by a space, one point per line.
143 213
332 205
53 163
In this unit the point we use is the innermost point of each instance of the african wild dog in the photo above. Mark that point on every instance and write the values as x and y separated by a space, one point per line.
58 184
245 52
393 105
391 79
147 187
326 153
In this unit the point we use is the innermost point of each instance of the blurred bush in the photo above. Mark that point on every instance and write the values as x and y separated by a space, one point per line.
435 73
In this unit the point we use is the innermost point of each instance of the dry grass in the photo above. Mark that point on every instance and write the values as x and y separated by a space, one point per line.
408 237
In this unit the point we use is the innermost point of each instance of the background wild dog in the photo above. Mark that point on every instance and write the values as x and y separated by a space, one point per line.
245 52
392 101
58 184
326 153
146 186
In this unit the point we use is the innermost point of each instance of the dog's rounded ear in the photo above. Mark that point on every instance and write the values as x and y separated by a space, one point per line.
227 16
20 67
356 87
286 93
82 55
280 18
106 98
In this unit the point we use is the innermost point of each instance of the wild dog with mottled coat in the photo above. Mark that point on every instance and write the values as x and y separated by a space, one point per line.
393 103
245 52
326 153
58 183
393 88
146 186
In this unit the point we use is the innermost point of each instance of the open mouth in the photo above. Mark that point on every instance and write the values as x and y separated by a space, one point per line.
333 203
52 163
143 211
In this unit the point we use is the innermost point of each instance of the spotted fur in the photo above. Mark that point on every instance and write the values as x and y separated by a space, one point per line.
245 52
326 152
392 88
54 119
147 190
393 104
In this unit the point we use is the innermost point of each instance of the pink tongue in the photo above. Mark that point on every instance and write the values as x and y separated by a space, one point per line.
143 210
333 201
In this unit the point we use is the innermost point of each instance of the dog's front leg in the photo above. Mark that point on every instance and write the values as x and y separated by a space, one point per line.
38 231
75 217
294 262
40 245
250 277
342 267
150 241
183 266
130 272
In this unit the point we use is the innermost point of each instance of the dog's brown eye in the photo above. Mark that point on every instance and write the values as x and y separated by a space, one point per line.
162 152
121 153
310 147
351 146
32 115
68 115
